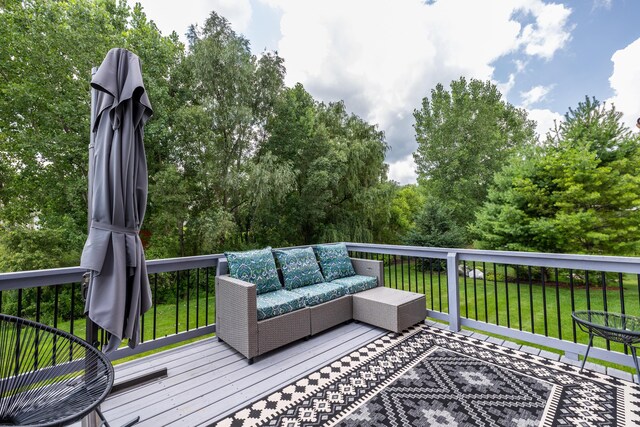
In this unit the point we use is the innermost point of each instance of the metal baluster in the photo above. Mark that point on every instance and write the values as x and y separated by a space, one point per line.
402 271
475 291
495 290
558 316
73 307
440 288
533 329
197 297
395 270
408 273
622 308
415 271
506 287
544 302
37 343
206 281
431 280
603 280
155 304
188 286
177 297
19 302
484 284
466 303
587 290
56 300
519 302
573 304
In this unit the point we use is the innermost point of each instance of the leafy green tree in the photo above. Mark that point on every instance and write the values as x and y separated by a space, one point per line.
49 48
578 193
434 227
464 135
338 163
227 96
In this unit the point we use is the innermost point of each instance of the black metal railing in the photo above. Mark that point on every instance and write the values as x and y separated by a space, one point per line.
526 296
183 295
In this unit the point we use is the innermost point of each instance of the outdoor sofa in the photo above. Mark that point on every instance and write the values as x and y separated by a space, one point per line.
311 291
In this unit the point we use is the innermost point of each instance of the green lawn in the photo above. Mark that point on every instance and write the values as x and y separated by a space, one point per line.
551 302
165 322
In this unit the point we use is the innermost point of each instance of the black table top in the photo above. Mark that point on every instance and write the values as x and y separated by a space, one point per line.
613 322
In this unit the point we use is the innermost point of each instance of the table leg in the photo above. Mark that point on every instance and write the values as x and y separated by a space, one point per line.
635 360
587 353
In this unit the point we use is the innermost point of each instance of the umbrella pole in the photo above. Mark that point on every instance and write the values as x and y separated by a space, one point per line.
91 328
91 331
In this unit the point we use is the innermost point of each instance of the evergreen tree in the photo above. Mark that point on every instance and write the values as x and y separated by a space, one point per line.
578 193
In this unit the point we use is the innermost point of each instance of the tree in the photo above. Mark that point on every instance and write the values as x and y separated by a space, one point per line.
464 135
227 96
578 193
338 163
434 227
48 51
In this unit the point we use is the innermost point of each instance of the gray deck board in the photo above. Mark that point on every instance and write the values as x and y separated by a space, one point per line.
207 380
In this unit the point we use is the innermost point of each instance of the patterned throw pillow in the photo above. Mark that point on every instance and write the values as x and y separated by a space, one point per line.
257 267
334 261
299 267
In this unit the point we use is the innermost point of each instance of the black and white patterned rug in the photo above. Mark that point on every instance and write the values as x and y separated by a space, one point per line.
432 377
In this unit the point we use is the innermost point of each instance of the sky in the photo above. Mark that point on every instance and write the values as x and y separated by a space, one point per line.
381 57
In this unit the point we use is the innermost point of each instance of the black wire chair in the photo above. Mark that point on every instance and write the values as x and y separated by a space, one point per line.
48 377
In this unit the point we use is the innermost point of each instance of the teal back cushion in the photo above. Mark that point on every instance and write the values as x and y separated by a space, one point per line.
257 267
299 267
334 261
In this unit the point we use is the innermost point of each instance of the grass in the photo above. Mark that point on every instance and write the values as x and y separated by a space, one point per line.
165 323
526 306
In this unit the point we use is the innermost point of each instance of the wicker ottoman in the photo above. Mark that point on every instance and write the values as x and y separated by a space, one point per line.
391 309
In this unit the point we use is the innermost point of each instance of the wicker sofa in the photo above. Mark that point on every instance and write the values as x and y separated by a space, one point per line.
238 325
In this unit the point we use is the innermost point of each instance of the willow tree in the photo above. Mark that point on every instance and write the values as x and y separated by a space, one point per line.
228 95
337 160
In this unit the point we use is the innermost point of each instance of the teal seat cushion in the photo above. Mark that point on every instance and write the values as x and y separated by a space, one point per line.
257 267
319 293
275 303
358 283
299 267
334 261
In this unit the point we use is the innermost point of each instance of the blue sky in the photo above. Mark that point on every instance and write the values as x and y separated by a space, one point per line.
383 56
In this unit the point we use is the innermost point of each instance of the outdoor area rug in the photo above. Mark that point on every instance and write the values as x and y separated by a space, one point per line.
428 376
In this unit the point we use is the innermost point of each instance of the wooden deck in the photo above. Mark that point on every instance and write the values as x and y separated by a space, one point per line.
208 380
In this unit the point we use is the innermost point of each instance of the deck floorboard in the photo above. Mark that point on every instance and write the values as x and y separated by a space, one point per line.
207 380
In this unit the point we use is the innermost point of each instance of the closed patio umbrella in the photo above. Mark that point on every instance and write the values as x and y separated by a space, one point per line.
118 291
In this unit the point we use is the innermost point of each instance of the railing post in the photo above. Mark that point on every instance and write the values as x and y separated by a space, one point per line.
453 287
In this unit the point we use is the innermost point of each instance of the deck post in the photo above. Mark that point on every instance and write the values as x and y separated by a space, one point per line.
453 287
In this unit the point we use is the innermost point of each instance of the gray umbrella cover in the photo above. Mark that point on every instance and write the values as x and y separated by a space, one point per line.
119 289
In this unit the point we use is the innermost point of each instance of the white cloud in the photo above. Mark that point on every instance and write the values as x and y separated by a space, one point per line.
534 95
545 120
505 87
625 80
403 171
382 56
170 15
238 12
550 31
604 4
